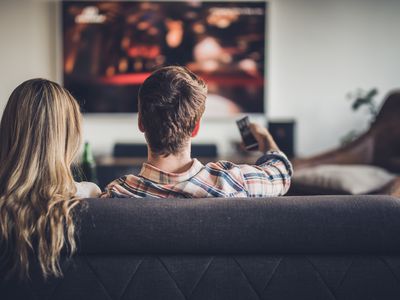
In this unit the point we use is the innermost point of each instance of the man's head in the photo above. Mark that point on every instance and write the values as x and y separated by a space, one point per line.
171 103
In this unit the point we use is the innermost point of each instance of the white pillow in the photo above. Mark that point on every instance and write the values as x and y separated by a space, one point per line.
351 179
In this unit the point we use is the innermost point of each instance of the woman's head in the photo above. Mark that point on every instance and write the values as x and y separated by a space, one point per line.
40 135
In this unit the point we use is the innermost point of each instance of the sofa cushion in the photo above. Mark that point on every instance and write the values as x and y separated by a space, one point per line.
342 179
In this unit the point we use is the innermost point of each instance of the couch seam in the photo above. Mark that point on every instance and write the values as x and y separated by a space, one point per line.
390 268
131 278
273 273
201 277
320 277
97 277
172 278
70 262
345 273
246 277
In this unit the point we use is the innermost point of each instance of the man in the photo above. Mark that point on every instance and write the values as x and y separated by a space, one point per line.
171 104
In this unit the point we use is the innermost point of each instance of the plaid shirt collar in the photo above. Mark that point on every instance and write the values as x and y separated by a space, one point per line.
156 175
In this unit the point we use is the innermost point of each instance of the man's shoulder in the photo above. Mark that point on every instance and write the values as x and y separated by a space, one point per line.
228 166
127 179
123 187
222 164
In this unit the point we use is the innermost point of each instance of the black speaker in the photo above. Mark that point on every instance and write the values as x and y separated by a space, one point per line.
130 150
283 132
140 150
205 150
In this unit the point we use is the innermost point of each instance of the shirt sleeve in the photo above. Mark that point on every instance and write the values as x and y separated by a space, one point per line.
270 176
117 189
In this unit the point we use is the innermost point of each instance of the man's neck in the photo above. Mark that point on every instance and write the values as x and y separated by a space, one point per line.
173 163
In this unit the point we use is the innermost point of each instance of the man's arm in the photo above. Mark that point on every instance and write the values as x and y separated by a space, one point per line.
271 174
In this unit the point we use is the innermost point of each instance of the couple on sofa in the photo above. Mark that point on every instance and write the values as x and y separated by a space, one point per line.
40 135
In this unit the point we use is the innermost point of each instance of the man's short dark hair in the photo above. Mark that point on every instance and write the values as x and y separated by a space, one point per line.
171 103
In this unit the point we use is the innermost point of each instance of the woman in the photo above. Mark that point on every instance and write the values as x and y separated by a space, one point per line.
40 135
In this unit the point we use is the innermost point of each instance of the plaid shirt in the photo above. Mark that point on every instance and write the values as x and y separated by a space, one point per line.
270 176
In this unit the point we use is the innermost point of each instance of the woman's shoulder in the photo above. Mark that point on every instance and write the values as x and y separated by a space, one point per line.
87 190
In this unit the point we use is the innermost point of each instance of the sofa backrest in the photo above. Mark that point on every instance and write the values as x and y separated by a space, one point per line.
319 247
309 224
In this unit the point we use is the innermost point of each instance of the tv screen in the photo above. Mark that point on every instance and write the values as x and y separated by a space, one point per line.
110 48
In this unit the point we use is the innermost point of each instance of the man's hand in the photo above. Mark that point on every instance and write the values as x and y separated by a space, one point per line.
263 137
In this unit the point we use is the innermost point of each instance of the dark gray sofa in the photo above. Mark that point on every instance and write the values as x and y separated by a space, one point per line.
319 247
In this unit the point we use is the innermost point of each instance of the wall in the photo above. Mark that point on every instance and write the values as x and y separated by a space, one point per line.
26 43
319 51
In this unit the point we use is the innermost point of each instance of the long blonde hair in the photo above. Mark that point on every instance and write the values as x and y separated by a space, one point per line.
40 135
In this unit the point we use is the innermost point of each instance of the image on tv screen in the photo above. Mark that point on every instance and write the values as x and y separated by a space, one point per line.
110 48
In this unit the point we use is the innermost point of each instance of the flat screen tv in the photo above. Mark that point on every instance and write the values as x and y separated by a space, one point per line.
110 48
